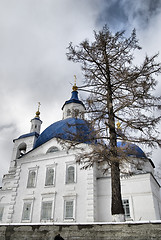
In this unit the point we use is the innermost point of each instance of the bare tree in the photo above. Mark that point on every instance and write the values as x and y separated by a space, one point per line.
119 91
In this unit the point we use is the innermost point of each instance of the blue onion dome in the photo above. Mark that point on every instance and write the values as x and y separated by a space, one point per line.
68 129
131 149
74 98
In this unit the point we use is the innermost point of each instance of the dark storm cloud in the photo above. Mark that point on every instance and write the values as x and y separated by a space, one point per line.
118 14
113 14
143 11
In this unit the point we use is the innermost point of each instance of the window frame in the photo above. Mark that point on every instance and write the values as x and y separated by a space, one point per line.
35 169
67 180
126 207
48 197
47 168
28 201
53 149
69 199
68 112
51 214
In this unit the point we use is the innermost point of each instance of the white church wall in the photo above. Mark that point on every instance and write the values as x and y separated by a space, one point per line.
138 187
8 181
157 207
104 199
137 190
73 110
59 192
142 210
156 197
28 141
5 199
42 149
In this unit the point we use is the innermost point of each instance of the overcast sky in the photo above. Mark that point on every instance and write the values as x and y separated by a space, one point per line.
34 35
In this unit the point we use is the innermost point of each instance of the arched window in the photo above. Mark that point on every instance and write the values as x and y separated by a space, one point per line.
75 113
68 112
21 150
52 149
31 179
70 174
49 176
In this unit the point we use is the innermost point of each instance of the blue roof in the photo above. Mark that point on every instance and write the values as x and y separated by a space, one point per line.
74 99
131 149
36 119
68 129
28 135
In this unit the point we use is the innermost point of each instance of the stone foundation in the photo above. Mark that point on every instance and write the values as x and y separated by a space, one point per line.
98 231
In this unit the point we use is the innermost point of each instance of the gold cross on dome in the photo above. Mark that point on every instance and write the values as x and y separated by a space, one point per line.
39 104
75 86
75 79
38 112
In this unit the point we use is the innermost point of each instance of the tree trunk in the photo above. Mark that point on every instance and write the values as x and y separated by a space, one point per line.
116 206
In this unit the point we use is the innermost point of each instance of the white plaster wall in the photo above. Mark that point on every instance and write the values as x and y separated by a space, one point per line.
61 189
36 125
5 198
137 189
29 141
72 107
156 197
104 199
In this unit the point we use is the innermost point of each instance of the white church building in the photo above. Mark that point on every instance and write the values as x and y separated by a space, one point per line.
45 184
